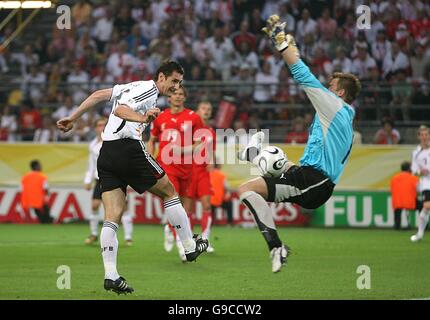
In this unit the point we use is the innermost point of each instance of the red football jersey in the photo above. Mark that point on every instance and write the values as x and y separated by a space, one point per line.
202 158
174 131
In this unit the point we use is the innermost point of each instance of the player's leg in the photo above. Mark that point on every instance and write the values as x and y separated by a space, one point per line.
188 204
206 219
178 218
254 195
94 217
127 223
253 148
397 218
423 217
114 205
169 232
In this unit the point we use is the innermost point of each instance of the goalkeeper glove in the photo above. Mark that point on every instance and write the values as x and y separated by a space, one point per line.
275 30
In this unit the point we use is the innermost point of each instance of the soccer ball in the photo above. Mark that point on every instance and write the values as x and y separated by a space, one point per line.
272 162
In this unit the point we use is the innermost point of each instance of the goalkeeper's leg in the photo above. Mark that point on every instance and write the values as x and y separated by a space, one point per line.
253 148
253 194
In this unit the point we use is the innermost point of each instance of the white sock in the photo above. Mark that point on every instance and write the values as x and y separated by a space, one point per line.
94 223
262 209
423 219
207 232
127 223
109 245
179 220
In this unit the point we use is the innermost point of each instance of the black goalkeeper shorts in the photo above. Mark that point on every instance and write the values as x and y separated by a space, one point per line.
304 186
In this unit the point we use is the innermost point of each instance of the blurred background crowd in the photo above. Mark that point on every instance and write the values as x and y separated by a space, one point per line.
46 75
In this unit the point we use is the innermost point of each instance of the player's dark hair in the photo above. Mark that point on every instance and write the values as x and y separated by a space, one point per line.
405 166
168 67
349 83
35 165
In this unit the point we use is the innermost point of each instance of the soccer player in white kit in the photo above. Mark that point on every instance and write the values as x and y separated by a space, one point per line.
124 161
421 167
91 176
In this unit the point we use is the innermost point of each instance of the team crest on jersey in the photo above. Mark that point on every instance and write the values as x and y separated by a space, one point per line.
163 126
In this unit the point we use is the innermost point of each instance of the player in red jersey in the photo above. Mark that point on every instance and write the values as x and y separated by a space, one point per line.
174 130
200 187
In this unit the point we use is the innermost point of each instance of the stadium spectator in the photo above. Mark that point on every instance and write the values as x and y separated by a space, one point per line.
221 52
179 41
30 119
326 24
306 25
34 83
287 92
339 40
124 22
199 45
62 41
380 47
299 134
307 49
135 40
284 14
159 10
35 192
265 84
66 110
245 55
77 82
394 60
47 132
8 125
149 27
4 68
342 63
188 61
243 35
81 13
26 59
419 63
141 62
256 22
387 134
401 91
246 79
363 62
119 60
54 54
403 187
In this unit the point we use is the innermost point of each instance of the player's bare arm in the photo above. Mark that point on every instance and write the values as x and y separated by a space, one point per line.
126 113
66 124
150 145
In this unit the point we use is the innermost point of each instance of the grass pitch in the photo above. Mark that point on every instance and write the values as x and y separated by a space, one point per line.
323 265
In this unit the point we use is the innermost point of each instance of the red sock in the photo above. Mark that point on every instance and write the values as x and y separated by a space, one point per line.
206 223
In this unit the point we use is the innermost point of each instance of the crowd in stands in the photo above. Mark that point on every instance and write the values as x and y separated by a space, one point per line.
219 40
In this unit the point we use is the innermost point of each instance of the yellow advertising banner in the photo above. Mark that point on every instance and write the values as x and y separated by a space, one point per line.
370 167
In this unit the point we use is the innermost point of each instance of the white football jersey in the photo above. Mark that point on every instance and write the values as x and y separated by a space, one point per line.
94 151
421 160
139 96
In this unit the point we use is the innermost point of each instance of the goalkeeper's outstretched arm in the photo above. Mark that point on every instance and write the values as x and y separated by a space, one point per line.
326 103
